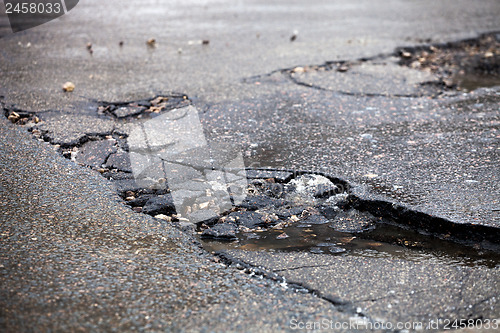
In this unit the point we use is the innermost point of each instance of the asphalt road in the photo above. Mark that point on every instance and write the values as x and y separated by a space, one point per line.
75 258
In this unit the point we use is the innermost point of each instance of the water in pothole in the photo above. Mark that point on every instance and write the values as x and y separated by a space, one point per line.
311 213
470 82
386 240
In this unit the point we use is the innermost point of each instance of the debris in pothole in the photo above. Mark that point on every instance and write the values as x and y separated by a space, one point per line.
161 204
309 187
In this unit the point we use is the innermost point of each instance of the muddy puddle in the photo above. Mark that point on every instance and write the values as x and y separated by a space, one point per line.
471 82
386 241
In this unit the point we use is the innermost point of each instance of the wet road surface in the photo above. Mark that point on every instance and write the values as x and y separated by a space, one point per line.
74 257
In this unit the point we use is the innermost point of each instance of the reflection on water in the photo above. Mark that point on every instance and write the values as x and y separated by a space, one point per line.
385 241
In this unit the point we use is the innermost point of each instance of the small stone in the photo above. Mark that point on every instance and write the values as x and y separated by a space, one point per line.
405 54
14 117
366 136
298 70
488 54
325 244
68 87
162 204
204 205
343 68
282 236
248 219
205 42
163 217
151 42
129 198
137 209
223 231
306 186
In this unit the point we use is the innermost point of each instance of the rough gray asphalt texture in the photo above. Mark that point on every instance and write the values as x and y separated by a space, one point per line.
418 292
422 151
66 240
82 261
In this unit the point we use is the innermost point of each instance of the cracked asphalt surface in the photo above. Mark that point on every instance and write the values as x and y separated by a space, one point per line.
75 258
82 261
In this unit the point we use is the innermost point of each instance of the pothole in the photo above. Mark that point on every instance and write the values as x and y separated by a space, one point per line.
286 211
414 71
312 213
465 65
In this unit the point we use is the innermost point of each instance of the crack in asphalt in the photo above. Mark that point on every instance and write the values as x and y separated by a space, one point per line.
328 66
289 75
461 232
441 227
158 104
340 305
298 267
400 214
